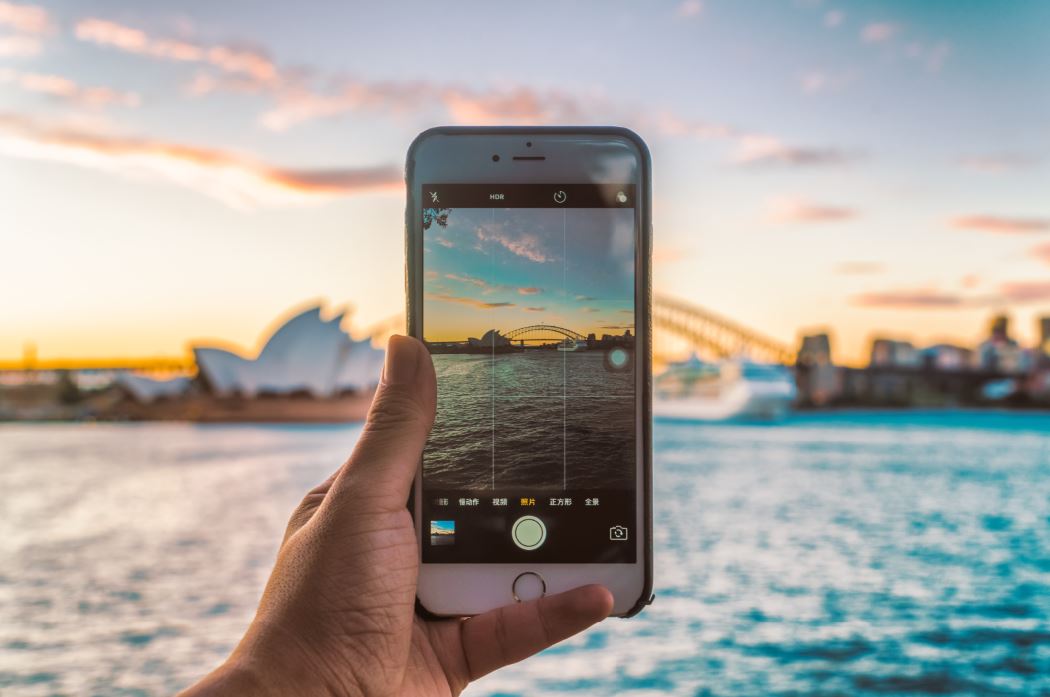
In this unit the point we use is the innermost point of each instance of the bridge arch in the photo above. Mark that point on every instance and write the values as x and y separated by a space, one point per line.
519 333
719 335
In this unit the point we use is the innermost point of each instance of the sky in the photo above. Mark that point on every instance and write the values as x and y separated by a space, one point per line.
489 268
189 172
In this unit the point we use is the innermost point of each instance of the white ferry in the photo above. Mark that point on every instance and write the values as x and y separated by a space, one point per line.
694 390
570 345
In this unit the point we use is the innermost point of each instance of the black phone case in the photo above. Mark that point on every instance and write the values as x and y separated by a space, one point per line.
646 248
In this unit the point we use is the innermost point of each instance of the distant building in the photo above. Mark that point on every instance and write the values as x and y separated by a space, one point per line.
1044 336
818 379
305 354
947 357
890 353
999 352
815 350
491 338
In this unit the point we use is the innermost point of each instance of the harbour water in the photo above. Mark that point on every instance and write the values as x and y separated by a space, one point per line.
493 410
849 553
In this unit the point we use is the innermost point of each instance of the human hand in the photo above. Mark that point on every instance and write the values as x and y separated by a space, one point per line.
338 613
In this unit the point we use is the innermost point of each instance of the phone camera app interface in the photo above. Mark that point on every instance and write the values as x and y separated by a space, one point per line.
529 315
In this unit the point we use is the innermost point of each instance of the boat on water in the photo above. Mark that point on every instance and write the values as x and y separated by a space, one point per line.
696 390
570 345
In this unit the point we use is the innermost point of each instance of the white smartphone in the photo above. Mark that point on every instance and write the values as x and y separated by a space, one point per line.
528 279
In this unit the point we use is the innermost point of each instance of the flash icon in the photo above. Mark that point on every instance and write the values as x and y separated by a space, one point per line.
434 197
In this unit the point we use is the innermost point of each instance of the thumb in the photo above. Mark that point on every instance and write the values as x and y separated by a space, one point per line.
379 473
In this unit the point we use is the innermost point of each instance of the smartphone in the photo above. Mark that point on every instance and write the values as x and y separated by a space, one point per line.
528 279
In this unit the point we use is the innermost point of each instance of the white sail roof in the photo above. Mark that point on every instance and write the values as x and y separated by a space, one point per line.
306 353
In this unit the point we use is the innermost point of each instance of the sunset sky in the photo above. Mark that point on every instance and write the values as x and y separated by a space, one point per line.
509 268
190 172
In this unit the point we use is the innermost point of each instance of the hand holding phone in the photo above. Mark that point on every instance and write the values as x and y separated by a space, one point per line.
338 615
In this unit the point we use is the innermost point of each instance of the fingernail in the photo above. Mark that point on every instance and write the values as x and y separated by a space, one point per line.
400 365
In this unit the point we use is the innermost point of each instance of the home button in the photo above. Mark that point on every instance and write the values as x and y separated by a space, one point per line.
528 586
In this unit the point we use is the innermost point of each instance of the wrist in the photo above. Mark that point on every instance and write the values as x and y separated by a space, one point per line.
271 661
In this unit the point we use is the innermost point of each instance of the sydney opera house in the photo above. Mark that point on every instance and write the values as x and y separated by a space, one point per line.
306 355
309 369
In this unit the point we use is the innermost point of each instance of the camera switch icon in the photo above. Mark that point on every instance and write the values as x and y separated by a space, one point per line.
618 533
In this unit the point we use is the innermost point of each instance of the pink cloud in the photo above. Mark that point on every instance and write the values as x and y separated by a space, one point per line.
237 180
529 290
1041 252
765 149
1001 225
689 9
63 88
20 46
28 19
794 210
833 18
248 62
525 245
878 32
1025 291
997 163
470 302
903 299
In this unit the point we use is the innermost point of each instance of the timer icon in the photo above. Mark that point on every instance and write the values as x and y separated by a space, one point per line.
559 197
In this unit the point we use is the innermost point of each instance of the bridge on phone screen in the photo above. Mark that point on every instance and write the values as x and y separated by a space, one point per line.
542 333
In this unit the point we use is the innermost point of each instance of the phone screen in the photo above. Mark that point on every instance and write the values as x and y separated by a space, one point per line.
529 314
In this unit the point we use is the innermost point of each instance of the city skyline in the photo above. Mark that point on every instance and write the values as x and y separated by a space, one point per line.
876 171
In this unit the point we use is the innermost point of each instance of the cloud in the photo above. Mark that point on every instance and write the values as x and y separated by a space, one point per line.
470 302
860 268
766 149
63 88
816 81
247 69
525 245
585 298
997 163
487 287
237 180
248 62
1001 225
1018 292
296 104
1041 252
689 9
20 46
834 18
534 309
591 309
472 280
1025 291
878 32
795 210
28 19
904 299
